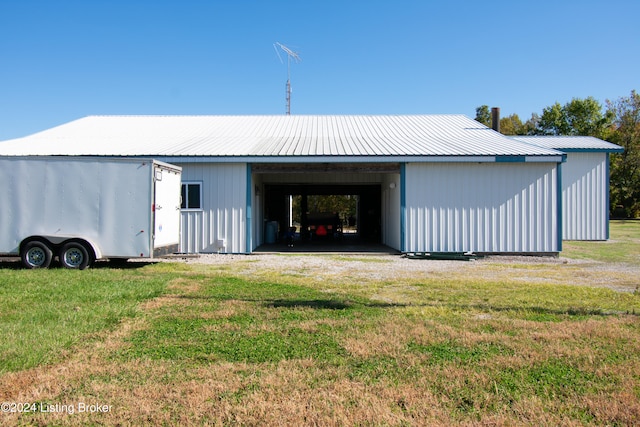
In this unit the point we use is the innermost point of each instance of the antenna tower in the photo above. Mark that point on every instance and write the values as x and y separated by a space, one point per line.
290 54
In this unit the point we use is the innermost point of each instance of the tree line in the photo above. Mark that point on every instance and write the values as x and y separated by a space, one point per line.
618 121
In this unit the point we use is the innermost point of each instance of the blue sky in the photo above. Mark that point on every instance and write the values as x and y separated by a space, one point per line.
65 59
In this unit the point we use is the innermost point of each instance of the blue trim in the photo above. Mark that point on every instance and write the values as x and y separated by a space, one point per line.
559 213
511 159
606 196
249 208
419 158
403 206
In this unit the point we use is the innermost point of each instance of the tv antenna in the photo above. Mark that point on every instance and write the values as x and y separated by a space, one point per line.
290 55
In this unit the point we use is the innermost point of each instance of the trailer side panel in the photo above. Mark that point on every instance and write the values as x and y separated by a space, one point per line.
108 202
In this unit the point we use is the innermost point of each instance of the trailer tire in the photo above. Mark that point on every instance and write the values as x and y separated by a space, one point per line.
74 255
36 254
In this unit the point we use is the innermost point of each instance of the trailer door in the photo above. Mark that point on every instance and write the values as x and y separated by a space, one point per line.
166 208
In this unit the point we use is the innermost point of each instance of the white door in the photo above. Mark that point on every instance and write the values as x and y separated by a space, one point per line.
167 208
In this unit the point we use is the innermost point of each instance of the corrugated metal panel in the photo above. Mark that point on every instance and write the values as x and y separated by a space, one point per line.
221 224
498 207
570 143
191 232
584 184
391 194
584 197
268 136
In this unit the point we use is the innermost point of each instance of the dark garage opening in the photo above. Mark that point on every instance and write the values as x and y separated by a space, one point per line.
327 218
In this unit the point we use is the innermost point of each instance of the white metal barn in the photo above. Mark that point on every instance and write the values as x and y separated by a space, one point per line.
585 184
425 183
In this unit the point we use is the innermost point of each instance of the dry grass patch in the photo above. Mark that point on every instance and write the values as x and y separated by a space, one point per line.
383 339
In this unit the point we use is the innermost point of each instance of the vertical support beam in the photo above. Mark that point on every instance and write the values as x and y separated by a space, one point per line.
559 214
304 207
290 202
249 207
606 195
403 207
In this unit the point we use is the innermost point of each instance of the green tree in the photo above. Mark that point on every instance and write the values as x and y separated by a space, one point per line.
343 205
586 117
531 125
483 115
625 167
553 121
512 125
577 117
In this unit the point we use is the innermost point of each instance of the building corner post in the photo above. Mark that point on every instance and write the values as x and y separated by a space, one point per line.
607 200
248 217
559 219
403 208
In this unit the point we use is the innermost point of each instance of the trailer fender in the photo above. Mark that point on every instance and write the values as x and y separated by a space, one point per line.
57 241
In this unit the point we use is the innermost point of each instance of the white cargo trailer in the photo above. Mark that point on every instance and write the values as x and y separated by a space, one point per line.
81 209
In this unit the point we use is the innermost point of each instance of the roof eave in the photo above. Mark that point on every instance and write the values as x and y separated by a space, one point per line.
591 150
547 158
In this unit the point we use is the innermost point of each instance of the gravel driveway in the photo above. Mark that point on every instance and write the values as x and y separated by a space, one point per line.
559 270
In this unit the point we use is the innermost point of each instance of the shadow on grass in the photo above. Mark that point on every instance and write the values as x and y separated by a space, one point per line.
535 312
532 312
13 263
325 304
118 264
544 311
316 304
10 264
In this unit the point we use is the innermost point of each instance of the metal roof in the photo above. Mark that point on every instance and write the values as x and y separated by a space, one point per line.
282 136
571 143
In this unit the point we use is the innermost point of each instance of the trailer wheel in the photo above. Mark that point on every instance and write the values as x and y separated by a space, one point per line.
74 255
36 254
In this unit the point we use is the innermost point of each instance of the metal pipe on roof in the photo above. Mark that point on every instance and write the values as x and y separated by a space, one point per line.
495 119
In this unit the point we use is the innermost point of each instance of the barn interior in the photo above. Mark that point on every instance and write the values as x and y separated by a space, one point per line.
327 208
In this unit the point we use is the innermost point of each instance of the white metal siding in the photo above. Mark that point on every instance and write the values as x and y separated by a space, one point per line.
220 226
391 211
257 206
500 207
584 196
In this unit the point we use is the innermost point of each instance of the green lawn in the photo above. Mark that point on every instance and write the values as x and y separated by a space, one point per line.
45 313
169 344
622 246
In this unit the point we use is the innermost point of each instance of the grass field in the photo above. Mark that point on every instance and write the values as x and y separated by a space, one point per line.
493 343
